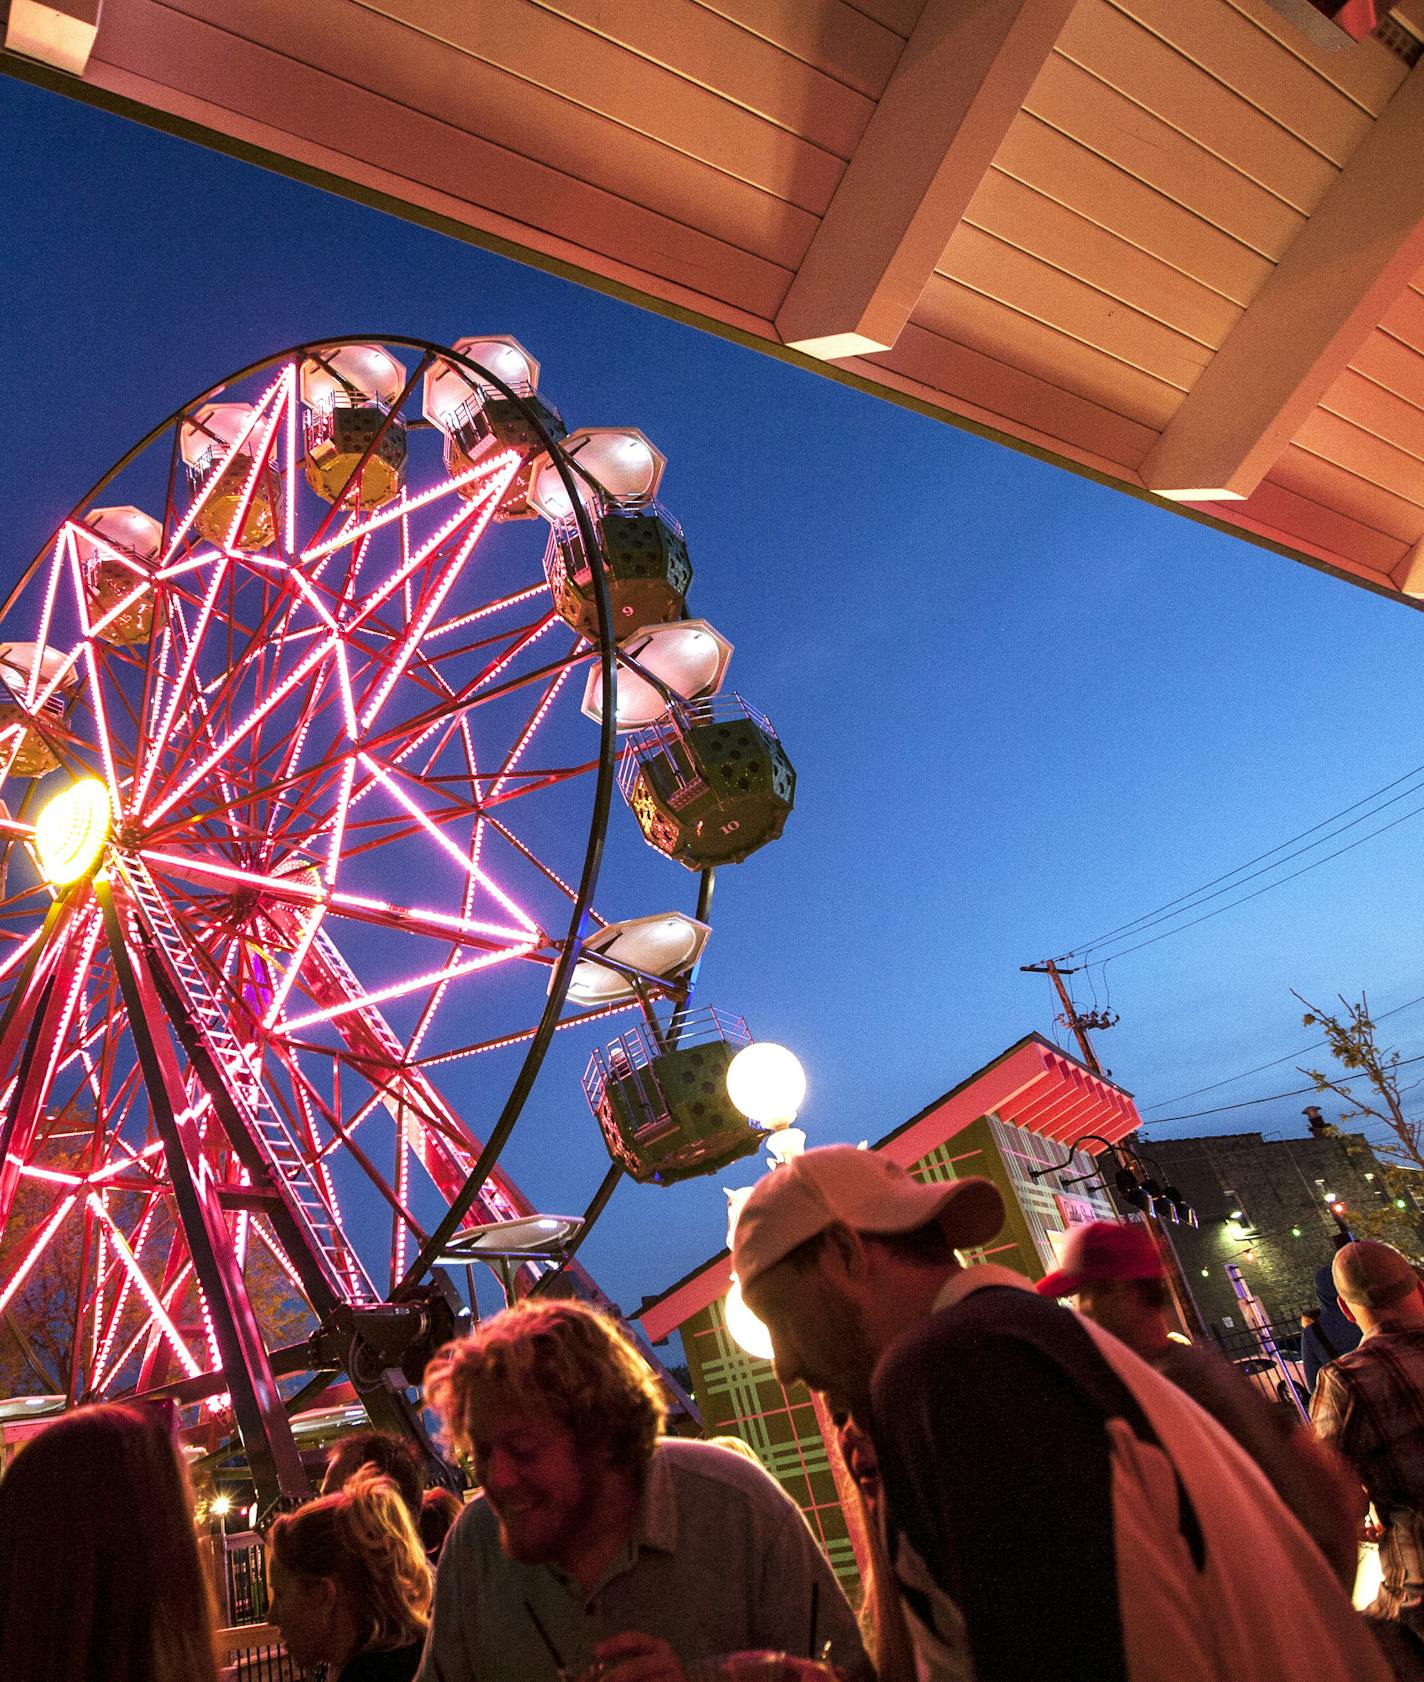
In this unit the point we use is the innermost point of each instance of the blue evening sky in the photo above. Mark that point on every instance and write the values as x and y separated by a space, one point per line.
1023 708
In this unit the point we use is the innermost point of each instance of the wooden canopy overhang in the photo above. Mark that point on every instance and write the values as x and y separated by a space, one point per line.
1177 244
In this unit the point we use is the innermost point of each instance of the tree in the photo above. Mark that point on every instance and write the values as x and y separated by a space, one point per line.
1372 1091
1351 1039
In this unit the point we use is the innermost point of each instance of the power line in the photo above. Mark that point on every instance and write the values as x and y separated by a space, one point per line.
1295 1092
1280 882
1170 909
1230 1080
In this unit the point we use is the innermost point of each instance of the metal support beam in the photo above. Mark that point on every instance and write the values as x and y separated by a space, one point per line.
257 1404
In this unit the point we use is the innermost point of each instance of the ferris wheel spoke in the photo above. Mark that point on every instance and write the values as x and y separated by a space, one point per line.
480 1048
344 1136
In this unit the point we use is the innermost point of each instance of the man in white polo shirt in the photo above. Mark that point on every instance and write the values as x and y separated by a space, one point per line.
1054 1508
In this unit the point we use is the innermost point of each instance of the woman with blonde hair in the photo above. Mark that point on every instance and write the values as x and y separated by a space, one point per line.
101 1579
350 1587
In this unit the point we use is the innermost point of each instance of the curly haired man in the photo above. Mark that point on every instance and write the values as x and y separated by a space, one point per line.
596 1542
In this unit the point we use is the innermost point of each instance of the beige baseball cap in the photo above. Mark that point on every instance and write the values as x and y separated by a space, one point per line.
862 1190
1372 1274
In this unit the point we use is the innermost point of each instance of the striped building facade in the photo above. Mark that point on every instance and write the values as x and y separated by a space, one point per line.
1022 1112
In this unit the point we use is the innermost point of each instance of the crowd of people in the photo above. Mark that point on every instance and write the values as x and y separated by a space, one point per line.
1047 1491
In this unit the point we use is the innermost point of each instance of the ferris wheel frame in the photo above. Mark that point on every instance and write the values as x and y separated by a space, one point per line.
274 1462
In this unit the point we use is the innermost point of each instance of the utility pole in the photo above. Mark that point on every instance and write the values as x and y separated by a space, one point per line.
1185 1304
1071 1018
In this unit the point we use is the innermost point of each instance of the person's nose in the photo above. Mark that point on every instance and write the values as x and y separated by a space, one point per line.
500 1475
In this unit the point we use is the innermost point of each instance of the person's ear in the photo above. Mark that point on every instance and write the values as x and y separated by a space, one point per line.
1346 1310
845 1251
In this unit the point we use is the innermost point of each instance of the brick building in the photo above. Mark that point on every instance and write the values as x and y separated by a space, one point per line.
1282 1189
1020 1113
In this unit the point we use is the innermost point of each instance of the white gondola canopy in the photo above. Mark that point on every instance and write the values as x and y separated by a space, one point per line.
448 387
624 465
665 947
212 429
127 528
688 656
351 374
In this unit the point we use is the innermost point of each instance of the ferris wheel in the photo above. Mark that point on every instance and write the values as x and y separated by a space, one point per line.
312 716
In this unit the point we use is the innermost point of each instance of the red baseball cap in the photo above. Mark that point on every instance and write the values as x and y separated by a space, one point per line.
1100 1252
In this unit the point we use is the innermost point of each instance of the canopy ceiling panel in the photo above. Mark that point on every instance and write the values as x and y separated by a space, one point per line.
1175 243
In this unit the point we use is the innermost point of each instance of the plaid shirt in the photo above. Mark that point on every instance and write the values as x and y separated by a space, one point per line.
1369 1405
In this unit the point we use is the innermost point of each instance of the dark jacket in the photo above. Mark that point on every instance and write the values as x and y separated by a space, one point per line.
398 1665
1331 1336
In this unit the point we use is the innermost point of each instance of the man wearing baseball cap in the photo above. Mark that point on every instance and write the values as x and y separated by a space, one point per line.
1054 1509
1114 1274
1369 1405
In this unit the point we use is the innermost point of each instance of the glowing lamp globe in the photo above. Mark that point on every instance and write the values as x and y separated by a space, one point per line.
747 1331
70 831
767 1083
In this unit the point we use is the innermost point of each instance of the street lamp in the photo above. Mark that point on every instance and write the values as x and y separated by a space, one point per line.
768 1085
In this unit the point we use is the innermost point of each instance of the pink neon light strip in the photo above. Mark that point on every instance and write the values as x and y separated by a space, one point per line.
400 989
101 1267
19 952
185 671
124 1164
443 841
56 564
146 1291
30 1172
338 827
140 1239
384 592
402 1196
96 695
37 696
448 579
291 887
435 919
406 506
467 900
47 1232
485 612
212 1336
293 969
528 1034
528 734
142 582
147 1329
259 463
253 719
89 940
289 531
190 563
279 1255
215 477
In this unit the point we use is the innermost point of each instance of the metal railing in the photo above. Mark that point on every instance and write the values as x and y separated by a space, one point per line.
1269 1357
637 1050
667 738
254 1653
